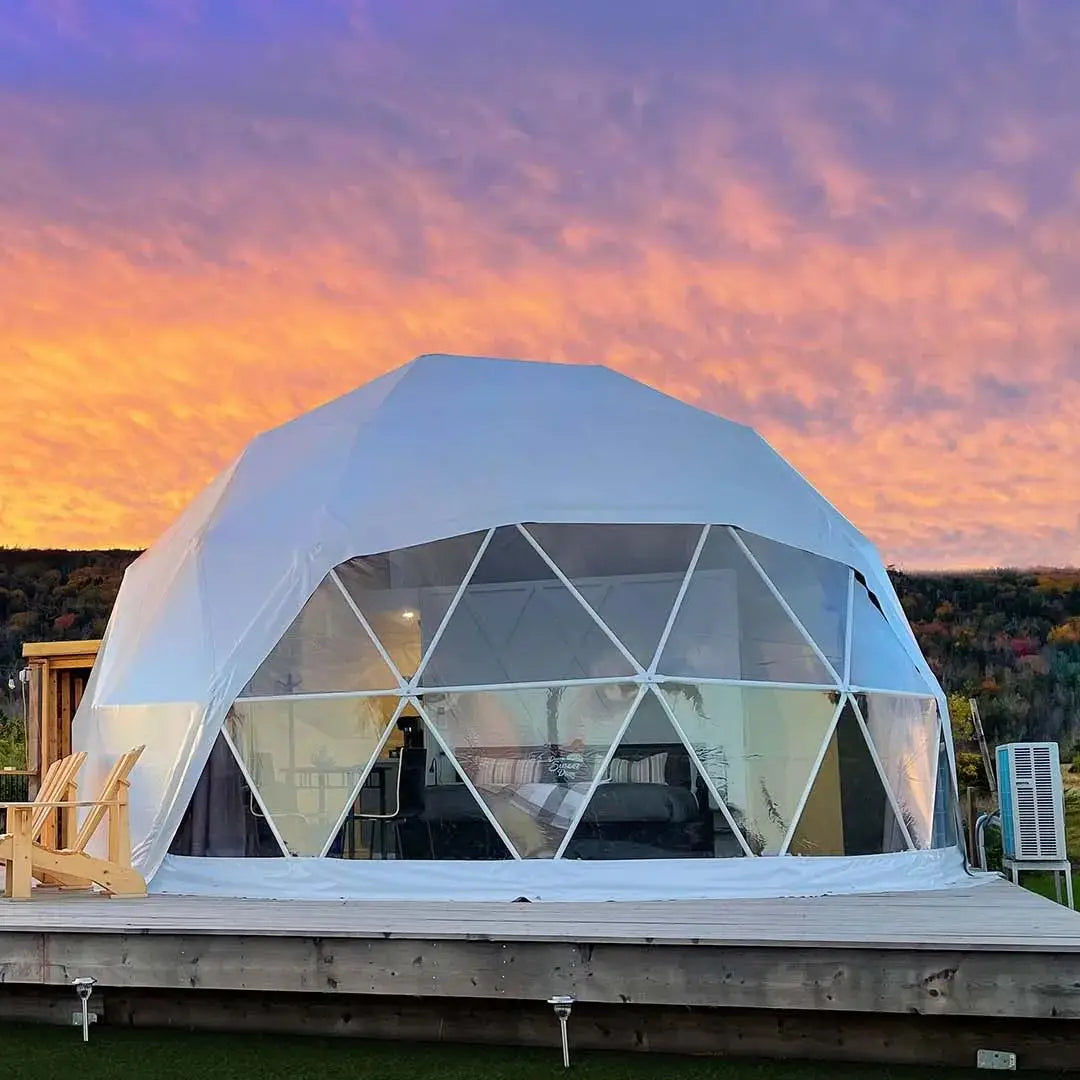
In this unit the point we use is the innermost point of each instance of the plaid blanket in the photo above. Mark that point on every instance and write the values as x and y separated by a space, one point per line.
549 804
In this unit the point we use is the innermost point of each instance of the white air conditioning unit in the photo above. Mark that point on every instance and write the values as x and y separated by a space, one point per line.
1032 801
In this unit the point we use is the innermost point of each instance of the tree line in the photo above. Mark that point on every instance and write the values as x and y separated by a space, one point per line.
1008 638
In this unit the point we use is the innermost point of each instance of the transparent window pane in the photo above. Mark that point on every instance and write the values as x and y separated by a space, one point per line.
629 574
305 757
653 802
325 649
731 626
906 732
532 753
405 594
759 746
223 820
945 802
878 660
414 805
815 588
516 622
847 811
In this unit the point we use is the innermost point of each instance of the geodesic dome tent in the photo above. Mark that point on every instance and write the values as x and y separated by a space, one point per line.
537 624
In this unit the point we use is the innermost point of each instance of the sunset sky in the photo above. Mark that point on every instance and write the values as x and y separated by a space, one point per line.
855 226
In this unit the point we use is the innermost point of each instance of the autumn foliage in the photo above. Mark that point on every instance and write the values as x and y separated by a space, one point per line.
1009 638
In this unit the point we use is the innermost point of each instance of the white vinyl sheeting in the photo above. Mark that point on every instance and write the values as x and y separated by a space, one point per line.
441 446
567 880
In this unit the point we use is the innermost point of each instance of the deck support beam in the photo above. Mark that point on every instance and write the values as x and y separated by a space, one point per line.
866 1037
912 981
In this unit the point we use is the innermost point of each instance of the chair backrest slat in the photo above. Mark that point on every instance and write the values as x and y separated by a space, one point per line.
48 781
46 793
118 775
60 774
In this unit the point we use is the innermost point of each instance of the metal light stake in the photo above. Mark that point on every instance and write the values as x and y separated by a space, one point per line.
84 987
562 1004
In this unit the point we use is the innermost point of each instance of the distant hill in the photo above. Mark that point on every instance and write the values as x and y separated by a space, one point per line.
1010 638
55 596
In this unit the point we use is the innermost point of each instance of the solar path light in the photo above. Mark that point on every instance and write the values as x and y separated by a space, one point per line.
562 1004
84 987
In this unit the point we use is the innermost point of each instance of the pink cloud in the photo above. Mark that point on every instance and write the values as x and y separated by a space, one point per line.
906 337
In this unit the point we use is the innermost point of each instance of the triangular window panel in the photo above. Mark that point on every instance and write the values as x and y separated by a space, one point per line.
847 811
653 801
532 753
945 802
306 758
413 804
815 588
629 574
517 622
224 819
730 626
878 660
759 745
405 594
326 649
905 732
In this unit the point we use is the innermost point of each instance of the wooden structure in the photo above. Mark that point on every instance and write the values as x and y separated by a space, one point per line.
31 823
29 848
59 783
918 977
58 674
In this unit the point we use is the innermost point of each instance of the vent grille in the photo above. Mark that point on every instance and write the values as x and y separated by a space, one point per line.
1038 825
1045 810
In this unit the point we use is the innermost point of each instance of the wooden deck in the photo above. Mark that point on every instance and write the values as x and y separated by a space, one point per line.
993 955
994 916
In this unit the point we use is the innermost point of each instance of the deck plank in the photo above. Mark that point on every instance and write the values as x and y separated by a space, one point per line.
990 949
993 916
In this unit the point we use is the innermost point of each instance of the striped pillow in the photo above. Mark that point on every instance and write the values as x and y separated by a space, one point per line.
496 772
646 770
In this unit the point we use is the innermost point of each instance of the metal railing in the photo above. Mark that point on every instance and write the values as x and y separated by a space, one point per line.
14 787
992 817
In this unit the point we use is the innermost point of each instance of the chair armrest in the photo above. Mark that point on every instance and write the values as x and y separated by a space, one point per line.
57 804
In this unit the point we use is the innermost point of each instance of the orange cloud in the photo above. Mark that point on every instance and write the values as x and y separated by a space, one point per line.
205 274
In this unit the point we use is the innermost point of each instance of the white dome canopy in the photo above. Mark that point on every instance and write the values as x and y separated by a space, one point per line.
282 620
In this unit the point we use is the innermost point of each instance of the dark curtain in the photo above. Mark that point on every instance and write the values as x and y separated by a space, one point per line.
218 821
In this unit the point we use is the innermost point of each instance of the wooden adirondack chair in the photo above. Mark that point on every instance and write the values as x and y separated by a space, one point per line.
24 857
39 818
58 783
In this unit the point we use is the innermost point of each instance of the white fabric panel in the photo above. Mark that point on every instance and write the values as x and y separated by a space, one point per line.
541 879
394 464
164 776
146 591
142 679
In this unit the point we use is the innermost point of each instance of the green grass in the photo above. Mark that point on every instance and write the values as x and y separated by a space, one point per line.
1043 884
1072 820
37 1052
